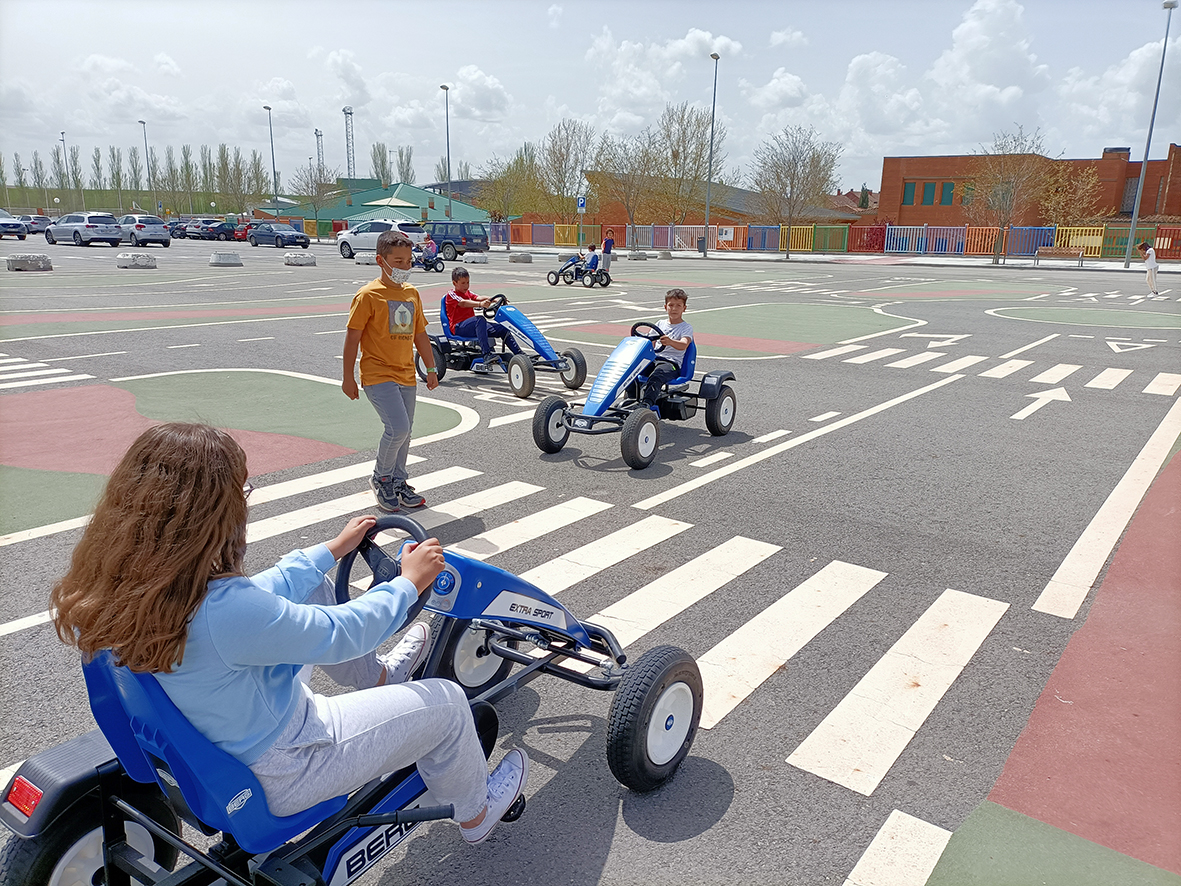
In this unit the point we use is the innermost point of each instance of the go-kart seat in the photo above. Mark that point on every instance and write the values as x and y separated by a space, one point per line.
446 324
688 364
210 789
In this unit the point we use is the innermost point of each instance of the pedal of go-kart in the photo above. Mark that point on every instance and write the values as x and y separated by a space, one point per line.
514 812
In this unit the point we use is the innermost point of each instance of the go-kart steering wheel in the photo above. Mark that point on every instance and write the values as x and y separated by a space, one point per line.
655 332
383 565
494 305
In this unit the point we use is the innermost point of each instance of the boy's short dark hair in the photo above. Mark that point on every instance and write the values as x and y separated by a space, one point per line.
392 239
676 293
459 274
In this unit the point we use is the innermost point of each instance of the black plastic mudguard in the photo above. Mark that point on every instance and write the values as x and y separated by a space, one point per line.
65 774
711 383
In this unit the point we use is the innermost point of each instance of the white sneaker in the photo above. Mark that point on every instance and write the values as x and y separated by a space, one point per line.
410 652
505 784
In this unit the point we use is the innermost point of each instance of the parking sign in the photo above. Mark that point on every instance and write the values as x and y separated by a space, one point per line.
582 205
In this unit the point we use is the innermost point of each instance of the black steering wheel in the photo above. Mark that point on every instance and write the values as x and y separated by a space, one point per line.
655 333
494 305
383 565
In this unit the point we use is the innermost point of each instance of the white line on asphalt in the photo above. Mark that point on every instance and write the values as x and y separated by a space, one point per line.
1055 374
916 359
1108 379
774 435
738 665
734 467
466 506
581 563
863 736
1072 581
711 459
29 621
175 347
83 356
263 338
331 332
14 360
510 419
502 538
1006 369
825 416
16 367
957 365
833 352
903 853
41 531
875 355
173 326
1165 383
1040 341
28 382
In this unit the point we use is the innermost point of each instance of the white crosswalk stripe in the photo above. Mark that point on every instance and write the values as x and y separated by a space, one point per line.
503 538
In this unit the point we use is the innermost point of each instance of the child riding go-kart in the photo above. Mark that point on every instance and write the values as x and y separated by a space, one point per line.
106 807
615 404
575 269
455 352
428 261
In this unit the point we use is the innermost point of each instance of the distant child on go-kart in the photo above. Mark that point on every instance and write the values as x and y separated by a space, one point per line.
461 305
591 258
677 336
158 579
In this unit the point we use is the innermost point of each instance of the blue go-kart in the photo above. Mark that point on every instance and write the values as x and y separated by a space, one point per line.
615 404
574 269
107 807
434 263
455 352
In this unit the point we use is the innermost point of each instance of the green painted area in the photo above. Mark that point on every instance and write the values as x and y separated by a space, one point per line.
999 847
277 404
1123 319
30 498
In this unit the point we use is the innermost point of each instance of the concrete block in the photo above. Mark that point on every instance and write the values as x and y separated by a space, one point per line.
135 260
564 257
365 258
225 260
25 261
520 257
476 258
664 254
637 256
299 259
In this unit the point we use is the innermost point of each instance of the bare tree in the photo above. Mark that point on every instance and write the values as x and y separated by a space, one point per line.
4 180
512 186
18 172
98 180
115 164
1071 196
463 171
152 162
40 179
208 174
76 172
681 143
406 164
168 180
231 177
61 177
258 183
441 172
317 186
135 170
188 173
564 153
627 172
379 164
1008 180
794 170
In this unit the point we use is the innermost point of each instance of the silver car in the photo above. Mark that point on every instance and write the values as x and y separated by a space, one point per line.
12 227
85 228
36 224
140 229
363 238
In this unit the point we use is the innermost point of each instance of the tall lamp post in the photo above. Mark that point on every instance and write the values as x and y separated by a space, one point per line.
709 181
148 163
274 173
447 120
1170 5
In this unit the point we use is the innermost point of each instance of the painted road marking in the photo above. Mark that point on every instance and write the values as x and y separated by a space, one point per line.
916 359
1108 379
502 538
263 338
466 506
42 531
903 853
1040 341
774 435
957 365
1055 374
862 737
14 360
834 352
175 347
875 355
6 374
1041 398
1122 346
1006 369
738 665
590 559
711 459
1165 383
43 381
288 488
16 364
825 416
29 621
83 356
734 467
510 419
1072 581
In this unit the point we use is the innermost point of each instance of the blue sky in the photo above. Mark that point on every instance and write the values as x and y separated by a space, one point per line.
881 78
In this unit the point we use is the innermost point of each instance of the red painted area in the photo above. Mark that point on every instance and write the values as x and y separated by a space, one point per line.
128 316
1101 755
86 430
737 342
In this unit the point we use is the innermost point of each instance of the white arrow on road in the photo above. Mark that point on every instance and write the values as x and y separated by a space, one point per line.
937 340
1040 399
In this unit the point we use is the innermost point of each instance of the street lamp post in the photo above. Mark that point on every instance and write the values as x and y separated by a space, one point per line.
274 172
447 119
148 163
1170 5
709 181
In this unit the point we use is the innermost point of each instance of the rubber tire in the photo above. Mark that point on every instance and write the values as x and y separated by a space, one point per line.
466 642
552 278
20 236
576 375
440 364
49 239
77 239
346 251
438 266
253 242
166 243
542 419
278 242
522 366
135 241
222 236
643 684
588 280
715 418
31 862
602 278
568 277
635 434
449 252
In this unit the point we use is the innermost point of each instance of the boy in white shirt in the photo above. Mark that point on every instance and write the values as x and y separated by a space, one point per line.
676 339
1150 265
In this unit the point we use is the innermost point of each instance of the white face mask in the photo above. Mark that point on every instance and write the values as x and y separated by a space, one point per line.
397 275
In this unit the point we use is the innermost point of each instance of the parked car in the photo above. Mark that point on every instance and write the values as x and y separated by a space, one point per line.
84 228
363 238
240 232
140 229
176 230
218 231
455 238
278 233
35 224
194 230
12 227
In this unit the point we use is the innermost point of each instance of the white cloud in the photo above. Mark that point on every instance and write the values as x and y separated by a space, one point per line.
166 65
784 90
788 37
104 64
478 96
341 63
554 14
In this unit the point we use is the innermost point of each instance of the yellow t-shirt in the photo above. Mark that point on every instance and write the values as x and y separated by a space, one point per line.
389 317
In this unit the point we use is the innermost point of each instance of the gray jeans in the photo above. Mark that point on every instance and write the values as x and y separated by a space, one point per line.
395 406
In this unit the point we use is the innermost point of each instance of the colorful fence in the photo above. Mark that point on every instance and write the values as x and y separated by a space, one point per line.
868 239
1089 239
1168 243
762 238
1115 240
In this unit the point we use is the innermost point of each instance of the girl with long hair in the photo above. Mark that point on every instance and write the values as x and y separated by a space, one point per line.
158 579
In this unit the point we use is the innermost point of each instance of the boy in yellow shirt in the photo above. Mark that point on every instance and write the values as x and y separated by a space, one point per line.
387 323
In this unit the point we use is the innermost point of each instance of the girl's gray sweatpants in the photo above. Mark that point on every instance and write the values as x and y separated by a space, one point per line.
334 745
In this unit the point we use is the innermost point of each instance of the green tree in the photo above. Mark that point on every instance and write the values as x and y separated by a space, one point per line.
115 164
135 171
98 180
510 187
379 164
863 201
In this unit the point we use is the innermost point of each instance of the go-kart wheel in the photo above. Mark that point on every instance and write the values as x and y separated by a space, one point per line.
653 718
521 375
602 278
70 852
640 438
383 565
721 411
468 661
440 364
552 277
568 277
650 331
576 374
437 267
494 304
549 427
346 251
588 280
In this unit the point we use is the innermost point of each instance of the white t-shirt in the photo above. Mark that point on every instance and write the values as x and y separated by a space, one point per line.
681 330
1150 259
